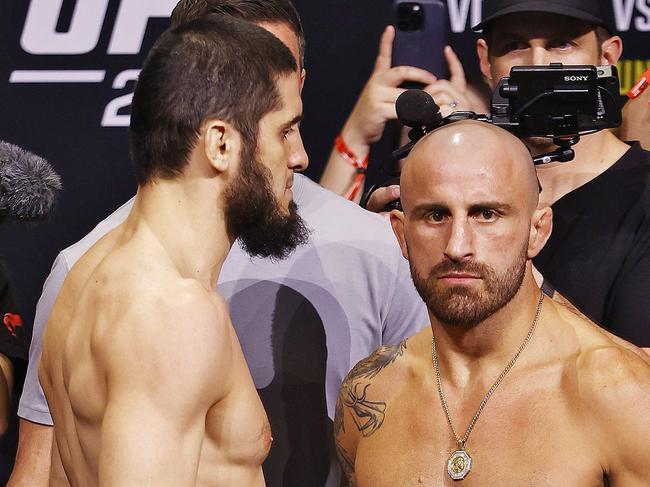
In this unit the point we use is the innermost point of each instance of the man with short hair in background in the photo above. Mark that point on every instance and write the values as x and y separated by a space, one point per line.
599 253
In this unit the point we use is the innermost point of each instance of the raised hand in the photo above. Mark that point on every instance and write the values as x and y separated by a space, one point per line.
455 93
376 104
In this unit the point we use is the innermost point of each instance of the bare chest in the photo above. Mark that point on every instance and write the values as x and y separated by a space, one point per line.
535 440
237 428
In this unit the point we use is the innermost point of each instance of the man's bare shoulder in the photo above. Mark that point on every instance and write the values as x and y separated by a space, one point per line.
178 310
611 373
589 336
613 379
377 378
389 365
178 333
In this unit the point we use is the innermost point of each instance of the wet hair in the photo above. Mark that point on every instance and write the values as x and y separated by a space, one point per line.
212 68
256 11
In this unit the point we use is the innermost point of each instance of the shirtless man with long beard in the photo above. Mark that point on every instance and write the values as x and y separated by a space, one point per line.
506 387
141 367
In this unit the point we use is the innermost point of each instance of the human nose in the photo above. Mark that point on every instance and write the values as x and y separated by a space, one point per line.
298 159
539 56
460 241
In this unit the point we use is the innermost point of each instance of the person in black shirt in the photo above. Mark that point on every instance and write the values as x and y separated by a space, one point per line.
598 255
599 252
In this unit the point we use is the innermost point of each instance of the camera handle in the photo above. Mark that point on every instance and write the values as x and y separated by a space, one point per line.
564 152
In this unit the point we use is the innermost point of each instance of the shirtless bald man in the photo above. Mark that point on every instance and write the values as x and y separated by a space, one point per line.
507 387
141 367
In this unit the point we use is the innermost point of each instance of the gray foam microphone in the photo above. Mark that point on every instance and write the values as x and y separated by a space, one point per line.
28 184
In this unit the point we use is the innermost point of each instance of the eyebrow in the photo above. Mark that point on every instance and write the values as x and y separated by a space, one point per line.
481 205
496 205
293 121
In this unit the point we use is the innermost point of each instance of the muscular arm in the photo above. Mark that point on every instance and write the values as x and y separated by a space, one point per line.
619 398
34 451
357 414
162 380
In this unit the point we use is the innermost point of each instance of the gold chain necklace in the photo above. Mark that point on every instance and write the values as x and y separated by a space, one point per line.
460 463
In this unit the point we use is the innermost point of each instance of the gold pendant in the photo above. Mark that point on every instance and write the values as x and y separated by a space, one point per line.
459 465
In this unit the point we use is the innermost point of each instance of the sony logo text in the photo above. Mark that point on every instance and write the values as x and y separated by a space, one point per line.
576 78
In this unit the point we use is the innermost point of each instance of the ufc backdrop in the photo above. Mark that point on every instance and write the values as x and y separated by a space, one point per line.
67 72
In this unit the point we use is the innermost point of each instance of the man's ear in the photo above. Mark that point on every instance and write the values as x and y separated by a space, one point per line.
541 227
484 58
303 75
397 222
221 144
611 50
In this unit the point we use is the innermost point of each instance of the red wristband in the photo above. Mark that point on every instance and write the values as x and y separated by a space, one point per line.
361 166
640 86
343 149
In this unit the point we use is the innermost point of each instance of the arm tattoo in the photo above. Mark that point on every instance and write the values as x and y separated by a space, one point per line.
347 465
368 416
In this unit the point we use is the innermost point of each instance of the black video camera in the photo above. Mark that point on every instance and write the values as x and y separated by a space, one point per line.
555 101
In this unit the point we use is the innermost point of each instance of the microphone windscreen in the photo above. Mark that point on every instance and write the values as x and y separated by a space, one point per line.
416 108
28 184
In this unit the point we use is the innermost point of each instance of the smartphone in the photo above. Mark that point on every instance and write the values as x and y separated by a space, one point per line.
420 36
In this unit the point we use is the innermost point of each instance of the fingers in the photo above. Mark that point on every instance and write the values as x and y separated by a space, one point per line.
381 197
456 71
443 92
385 55
396 76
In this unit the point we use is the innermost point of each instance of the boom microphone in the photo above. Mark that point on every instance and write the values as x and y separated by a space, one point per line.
28 184
416 109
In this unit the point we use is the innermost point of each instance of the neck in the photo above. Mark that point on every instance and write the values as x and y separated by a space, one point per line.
471 351
188 222
594 154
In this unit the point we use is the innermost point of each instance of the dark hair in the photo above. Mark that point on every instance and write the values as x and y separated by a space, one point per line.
215 67
281 11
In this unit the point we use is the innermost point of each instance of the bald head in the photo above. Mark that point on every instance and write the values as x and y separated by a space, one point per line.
491 158
471 224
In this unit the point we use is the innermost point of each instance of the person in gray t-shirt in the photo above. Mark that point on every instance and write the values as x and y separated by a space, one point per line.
303 323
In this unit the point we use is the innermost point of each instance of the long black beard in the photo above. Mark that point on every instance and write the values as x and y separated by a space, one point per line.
253 213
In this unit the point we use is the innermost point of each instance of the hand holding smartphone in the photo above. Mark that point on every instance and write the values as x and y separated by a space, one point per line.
420 36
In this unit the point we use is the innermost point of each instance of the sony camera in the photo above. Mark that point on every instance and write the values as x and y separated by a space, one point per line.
556 101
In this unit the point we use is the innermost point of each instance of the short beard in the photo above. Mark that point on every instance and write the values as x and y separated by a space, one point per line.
462 306
253 213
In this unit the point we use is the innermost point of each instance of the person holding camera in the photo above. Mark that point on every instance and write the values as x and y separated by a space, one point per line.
599 253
